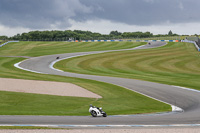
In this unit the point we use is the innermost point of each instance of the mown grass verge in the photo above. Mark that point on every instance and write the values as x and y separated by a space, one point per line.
48 48
116 100
175 64
28 127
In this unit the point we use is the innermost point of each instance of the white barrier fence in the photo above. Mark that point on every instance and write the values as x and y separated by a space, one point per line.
7 43
193 43
123 40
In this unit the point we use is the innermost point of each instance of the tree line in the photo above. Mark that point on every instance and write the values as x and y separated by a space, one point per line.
66 35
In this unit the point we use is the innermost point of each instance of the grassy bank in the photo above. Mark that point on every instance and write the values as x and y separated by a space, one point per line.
116 100
48 48
175 64
27 127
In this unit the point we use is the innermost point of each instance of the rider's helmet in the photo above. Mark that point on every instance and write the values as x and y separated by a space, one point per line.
91 105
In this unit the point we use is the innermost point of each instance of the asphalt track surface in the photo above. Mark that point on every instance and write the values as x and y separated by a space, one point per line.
186 99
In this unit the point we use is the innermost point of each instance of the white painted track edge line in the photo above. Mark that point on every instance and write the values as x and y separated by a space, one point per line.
17 66
174 108
185 88
90 126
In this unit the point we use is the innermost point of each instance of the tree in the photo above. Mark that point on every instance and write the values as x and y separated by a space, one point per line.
3 37
170 33
80 35
115 33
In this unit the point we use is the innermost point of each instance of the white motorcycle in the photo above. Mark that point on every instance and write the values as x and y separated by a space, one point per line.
95 111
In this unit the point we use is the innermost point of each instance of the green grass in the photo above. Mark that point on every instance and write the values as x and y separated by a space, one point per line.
160 38
48 48
28 127
175 64
116 100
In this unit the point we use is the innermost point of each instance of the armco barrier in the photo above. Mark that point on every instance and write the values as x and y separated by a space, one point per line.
7 43
193 43
125 41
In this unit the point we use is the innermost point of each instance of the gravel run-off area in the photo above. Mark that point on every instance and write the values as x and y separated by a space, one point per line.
45 87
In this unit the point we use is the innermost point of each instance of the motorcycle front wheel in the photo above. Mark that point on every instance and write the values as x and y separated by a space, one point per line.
93 113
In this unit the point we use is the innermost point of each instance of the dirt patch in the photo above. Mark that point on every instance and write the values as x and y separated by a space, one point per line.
45 87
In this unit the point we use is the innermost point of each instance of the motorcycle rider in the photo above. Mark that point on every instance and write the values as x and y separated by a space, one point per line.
98 112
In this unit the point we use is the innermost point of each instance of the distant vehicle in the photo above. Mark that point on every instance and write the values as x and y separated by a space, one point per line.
58 57
95 111
149 43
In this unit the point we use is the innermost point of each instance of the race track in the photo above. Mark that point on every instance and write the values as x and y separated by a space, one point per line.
187 100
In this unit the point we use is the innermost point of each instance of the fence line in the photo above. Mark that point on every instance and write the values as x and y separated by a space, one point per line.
120 40
7 43
193 43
